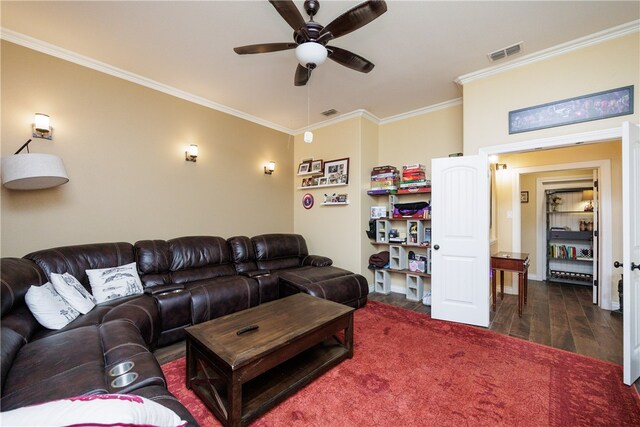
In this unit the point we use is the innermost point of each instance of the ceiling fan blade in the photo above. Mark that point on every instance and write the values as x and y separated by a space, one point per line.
263 48
289 12
302 75
349 59
355 18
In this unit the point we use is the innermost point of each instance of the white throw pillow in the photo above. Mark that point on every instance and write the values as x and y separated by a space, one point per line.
73 292
94 410
112 283
48 307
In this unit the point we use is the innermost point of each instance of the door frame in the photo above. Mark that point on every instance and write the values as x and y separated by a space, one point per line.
605 228
560 141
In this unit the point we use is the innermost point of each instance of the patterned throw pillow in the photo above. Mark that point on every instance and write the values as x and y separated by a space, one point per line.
108 284
73 292
96 410
48 307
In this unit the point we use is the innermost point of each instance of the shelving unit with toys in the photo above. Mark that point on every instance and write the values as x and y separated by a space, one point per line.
405 233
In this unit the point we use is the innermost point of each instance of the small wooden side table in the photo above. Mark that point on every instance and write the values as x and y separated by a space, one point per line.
510 261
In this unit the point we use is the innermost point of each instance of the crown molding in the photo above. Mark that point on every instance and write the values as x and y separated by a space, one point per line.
85 61
561 49
421 111
341 118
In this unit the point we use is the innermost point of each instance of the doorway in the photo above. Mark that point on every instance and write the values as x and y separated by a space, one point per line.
601 156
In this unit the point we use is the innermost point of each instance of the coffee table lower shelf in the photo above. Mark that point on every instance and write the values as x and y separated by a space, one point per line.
266 390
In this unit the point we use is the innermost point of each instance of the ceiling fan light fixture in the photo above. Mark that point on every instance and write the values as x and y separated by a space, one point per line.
311 53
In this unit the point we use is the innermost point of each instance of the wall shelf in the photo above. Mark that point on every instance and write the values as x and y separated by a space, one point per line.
310 187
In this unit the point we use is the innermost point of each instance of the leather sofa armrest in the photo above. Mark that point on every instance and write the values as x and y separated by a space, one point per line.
255 273
163 289
317 261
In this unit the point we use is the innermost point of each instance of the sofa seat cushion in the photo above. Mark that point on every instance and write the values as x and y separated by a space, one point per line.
217 297
309 274
76 362
351 289
140 310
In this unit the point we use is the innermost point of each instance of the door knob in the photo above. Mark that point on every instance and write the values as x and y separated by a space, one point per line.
436 247
617 264
634 266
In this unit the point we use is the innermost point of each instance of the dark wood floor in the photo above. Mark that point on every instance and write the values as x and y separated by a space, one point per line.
560 316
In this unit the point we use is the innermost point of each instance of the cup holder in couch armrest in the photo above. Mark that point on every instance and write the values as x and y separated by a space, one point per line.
256 273
121 368
163 289
124 380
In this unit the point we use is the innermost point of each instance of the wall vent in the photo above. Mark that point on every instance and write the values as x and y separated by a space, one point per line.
506 51
330 112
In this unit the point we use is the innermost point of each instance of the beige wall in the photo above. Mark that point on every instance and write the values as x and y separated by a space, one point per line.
421 138
599 67
123 146
333 231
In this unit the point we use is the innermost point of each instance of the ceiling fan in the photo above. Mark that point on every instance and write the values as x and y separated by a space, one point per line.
311 38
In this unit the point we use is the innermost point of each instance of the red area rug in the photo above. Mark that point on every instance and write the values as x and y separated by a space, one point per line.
411 370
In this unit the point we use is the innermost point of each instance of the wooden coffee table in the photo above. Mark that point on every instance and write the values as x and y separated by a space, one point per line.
240 376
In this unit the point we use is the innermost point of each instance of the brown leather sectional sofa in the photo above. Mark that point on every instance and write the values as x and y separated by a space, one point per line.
187 280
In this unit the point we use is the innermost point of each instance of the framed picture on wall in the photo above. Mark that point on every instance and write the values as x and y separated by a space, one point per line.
303 168
524 197
337 171
316 166
594 106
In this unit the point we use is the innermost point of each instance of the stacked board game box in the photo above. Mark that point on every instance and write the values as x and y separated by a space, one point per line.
384 179
414 179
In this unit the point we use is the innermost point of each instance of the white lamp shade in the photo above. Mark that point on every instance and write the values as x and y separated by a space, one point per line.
193 150
271 166
311 53
33 171
42 122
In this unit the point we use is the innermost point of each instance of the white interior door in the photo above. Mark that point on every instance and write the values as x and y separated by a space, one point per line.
596 240
460 239
631 250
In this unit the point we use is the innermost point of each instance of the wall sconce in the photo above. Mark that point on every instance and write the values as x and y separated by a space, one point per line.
191 154
42 128
270 167
501 166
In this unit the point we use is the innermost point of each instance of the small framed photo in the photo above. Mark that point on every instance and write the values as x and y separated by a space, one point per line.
342 198
323 181
337 171
316 166
304 167
524 197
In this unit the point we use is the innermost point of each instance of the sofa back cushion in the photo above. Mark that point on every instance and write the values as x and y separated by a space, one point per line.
11 343
153 259
75 260
242 253
199 258
279 251
17 276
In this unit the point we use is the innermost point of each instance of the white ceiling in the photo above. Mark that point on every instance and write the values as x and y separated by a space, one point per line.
419 47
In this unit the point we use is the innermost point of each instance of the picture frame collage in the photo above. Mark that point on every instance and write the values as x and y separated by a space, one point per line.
319 173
